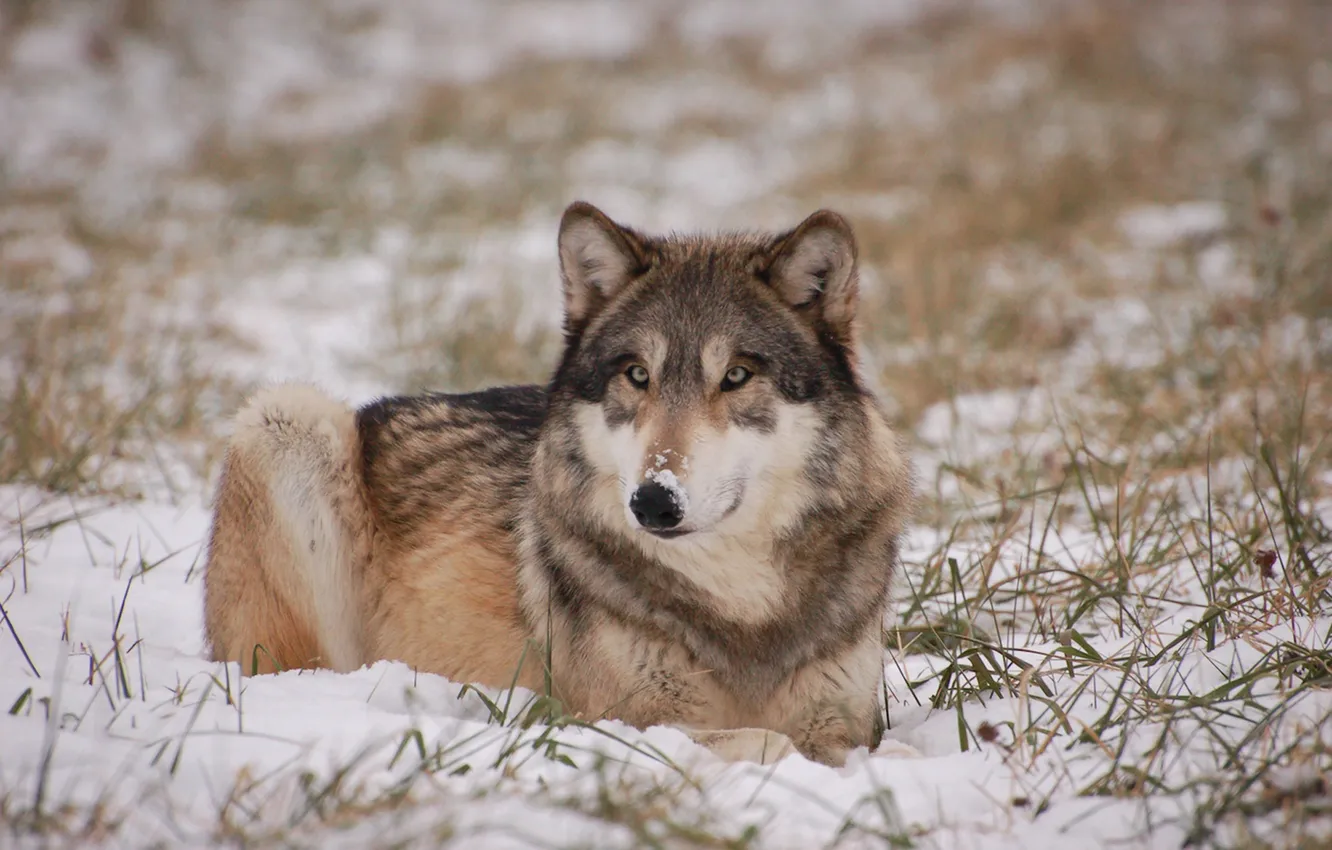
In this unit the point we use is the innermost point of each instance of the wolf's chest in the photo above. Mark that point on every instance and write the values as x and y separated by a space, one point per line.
644 674
732 580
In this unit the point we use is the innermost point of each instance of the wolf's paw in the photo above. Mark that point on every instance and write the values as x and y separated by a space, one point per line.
898 750
760 746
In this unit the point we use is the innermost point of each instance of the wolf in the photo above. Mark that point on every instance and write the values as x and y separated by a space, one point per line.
696 522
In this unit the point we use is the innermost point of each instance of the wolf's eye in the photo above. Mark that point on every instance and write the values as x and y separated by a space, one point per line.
637 375
735 378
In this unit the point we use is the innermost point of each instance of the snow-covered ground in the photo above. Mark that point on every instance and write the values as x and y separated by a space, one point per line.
113 705
1097 664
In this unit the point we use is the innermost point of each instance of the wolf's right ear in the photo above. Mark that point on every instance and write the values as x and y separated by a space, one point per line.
597 258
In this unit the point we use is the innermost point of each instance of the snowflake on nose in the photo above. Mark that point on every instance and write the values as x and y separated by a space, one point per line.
667 479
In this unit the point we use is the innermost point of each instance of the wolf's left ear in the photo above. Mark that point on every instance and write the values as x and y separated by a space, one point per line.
597 258
813 269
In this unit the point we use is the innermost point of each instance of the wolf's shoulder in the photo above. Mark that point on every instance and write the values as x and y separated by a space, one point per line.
432 456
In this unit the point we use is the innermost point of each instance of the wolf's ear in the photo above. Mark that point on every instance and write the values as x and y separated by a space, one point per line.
813 269
597 258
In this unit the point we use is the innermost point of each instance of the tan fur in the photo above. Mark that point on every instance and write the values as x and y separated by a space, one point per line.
449 606
289 537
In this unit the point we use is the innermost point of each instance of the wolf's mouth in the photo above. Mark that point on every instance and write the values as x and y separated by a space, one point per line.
667 533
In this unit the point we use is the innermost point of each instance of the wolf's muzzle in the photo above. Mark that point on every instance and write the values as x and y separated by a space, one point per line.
655 507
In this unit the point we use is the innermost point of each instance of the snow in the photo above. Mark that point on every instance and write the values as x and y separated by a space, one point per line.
107 605
666 478
1220 272
1161 226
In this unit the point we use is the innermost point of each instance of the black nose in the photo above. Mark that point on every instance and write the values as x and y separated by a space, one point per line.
655 507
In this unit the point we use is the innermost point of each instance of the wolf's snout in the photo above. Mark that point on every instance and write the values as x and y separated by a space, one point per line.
655 507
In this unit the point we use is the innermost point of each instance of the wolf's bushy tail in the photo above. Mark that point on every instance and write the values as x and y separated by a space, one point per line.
291 537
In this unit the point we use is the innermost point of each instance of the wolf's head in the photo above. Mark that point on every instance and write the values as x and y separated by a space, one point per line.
702 375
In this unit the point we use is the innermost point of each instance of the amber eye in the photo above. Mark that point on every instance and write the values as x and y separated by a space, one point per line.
735 378
637 375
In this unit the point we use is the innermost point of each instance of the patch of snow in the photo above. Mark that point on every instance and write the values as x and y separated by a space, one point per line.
556 29
1277 100
1221 274
968 418
1163 226
293 342
1128 333
446 162
981 428
881 206
723 174
656 106
1012 82
824 25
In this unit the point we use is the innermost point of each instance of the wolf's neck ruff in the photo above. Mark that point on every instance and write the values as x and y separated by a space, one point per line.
767 591
696 522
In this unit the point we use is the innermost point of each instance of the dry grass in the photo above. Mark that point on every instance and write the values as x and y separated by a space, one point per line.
1046 133
92 380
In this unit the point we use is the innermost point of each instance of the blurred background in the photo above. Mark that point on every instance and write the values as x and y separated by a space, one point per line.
1126 206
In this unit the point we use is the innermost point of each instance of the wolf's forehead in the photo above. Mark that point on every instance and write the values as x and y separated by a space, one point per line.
701 291
679 323
703 285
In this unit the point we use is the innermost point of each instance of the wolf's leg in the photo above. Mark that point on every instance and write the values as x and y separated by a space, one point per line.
826 736
761 746
831 707
291 537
